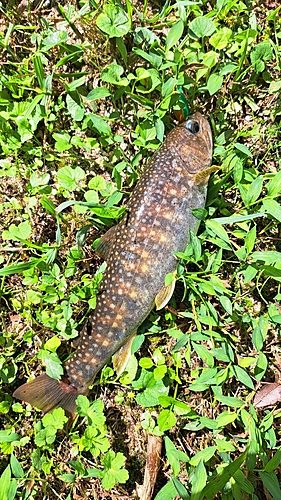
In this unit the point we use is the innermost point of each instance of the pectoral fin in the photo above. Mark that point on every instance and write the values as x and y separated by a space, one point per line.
163 297
106 242
121 357
201 179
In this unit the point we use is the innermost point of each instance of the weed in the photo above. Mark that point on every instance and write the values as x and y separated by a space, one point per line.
87 93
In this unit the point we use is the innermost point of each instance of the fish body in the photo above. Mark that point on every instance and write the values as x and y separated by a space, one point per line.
139 252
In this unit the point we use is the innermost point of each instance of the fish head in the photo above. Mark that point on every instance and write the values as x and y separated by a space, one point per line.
192 142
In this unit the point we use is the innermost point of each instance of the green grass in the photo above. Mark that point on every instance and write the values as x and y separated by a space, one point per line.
87 93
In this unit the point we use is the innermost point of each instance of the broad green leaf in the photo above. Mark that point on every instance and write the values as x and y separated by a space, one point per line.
274 87
220 39
159 372
219 481
243 376
92 472
100 124
217 229
174 455
168 492
206 287
230 401
261 366
160 130
24 129
243 149
107 213
250 273
226 304
225 418
97 183
154 59
69 177
92 197
149 397
56 419
113 21
269 256
182 491
254 190
223 445
16 467
174 35
250 239
74 106
113 470
238 218
152 389
52 344
137 342
166 420
52 362
168 86
146 363
62 141
262 52
273 462
75 84
39 180
112 74
55 38
20 267
67 478
214 83
6 437
8 486
271 483
273 208
18 233
98 93
204 354
201 27
203 455
274 185
260 332
199 481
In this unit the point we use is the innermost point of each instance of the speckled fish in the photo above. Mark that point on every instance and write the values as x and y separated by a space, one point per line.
139 252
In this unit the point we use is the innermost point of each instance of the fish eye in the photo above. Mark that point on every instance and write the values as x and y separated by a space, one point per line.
193 127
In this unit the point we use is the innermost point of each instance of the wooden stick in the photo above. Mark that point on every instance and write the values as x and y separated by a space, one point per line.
153 455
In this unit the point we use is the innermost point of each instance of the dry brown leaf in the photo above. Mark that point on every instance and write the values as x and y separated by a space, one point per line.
268 395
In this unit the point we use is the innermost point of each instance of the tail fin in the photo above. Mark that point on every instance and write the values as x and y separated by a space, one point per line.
46 393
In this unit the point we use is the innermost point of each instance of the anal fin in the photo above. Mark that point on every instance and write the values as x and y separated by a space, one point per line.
121 357
165 294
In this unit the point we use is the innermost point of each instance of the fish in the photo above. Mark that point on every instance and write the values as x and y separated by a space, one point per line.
139 253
